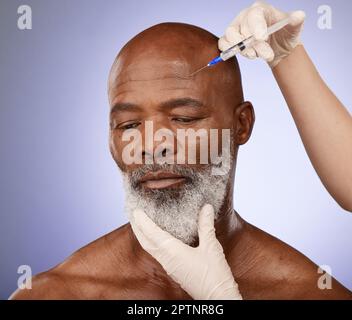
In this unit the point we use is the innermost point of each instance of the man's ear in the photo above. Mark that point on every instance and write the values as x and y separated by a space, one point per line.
244 118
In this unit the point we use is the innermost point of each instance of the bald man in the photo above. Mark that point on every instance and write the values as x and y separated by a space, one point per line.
149 80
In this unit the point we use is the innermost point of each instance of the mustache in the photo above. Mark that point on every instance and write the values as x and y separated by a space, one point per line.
190 173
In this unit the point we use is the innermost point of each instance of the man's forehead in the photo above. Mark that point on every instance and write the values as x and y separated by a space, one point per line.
150 77
153 75
154 69
156 92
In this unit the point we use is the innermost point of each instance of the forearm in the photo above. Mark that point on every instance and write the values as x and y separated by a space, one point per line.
325 126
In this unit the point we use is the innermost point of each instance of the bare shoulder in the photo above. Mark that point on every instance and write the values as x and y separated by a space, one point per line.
278 271
83 275
48 285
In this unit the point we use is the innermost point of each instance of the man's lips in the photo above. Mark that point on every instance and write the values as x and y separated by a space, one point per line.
162 179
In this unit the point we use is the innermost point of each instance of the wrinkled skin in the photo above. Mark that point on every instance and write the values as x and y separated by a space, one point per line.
150 74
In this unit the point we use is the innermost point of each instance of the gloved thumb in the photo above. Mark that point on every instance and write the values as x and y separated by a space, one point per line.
206 230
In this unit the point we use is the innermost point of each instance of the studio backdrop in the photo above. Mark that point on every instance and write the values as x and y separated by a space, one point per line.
59 187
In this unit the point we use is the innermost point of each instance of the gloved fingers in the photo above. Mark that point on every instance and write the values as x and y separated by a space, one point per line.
245 32
264 51
145 243
233 36
151 248
206 229
257 24
230 38
240 31
249 53
154 236
297 18
223 44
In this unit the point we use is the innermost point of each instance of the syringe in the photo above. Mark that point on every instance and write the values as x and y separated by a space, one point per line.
238 47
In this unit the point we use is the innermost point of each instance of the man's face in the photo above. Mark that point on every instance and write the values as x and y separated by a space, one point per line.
154 91
152 86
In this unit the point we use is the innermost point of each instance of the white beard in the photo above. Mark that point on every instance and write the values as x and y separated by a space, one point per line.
176 210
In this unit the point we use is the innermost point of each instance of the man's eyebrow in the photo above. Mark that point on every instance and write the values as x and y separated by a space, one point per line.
124 106
181 102
169 104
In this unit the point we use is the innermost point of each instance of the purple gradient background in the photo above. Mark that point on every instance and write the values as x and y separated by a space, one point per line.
60 188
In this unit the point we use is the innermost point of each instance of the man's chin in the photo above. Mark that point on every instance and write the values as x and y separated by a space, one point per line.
162 196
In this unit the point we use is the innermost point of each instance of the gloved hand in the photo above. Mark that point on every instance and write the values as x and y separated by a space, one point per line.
202 272
254 21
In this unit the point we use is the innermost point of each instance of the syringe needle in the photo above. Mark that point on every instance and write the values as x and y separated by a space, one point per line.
199 70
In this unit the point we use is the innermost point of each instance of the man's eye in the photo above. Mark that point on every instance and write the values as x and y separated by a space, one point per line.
184 119
129 126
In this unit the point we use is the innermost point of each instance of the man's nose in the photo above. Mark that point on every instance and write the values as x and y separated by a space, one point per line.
159 143
161 152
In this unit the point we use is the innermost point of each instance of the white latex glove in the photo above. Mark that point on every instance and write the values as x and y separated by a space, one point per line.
255 21
202 272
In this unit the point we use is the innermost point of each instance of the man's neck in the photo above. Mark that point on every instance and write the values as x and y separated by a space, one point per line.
227 226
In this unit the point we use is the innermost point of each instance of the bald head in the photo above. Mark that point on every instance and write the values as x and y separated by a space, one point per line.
175 50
